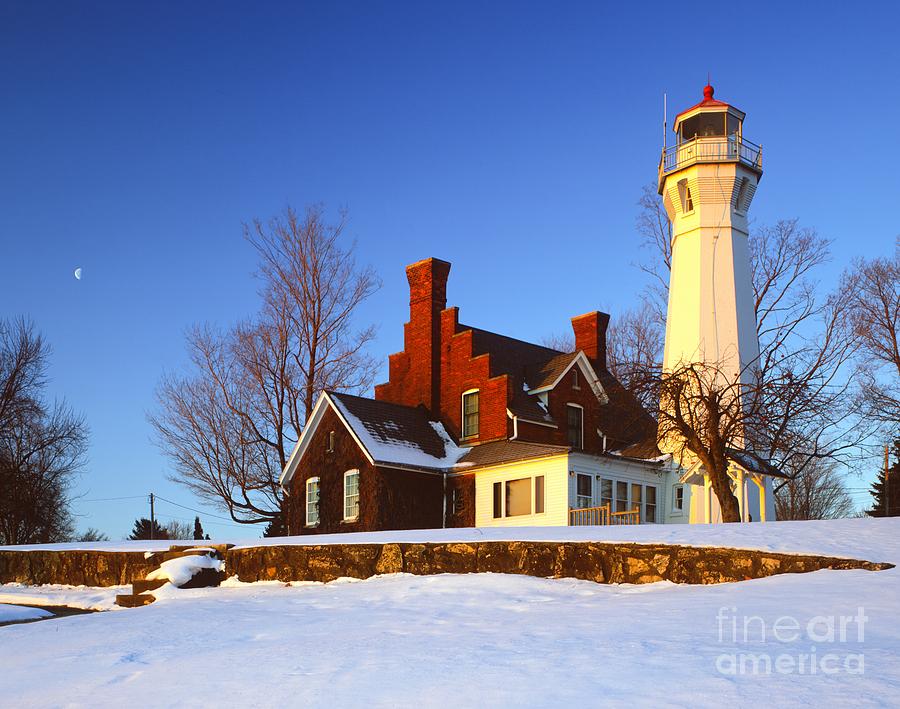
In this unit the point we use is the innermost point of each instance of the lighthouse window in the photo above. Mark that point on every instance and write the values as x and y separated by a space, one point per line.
688 200
703 125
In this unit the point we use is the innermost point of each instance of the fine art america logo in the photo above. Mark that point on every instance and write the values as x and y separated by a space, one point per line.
821 644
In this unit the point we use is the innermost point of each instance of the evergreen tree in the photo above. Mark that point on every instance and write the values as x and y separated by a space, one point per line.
142 530
886 489
198 529
276 527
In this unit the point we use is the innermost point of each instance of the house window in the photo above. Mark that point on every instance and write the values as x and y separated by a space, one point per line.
649 504
575 419
678 498
539 494
636 497
575 383
456 502
621 496
351 495
470 413
312 502
518 497
498 500
584 491
330 448
606 492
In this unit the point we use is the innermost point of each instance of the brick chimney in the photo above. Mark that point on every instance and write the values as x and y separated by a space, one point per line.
590 336
427 298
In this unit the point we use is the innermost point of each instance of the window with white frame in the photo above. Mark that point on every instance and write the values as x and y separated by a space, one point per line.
649 504
584 492
470 414
606 492
518 497
637 497
330 448
621 496
312 502
498 500
539 494
351 495
575 416
678 498
575 383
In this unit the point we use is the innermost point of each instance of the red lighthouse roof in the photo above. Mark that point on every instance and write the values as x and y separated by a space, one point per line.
707 102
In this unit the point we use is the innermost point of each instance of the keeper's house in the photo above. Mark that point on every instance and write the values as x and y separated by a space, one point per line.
479 429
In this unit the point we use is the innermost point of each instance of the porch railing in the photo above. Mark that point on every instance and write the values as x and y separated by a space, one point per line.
584 516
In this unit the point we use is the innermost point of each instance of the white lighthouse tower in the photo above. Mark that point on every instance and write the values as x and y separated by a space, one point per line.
707 181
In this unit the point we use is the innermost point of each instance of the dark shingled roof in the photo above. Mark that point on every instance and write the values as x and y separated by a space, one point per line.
505 451
543 374
394 424
508 355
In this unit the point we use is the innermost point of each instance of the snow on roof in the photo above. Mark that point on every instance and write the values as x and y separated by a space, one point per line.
398 435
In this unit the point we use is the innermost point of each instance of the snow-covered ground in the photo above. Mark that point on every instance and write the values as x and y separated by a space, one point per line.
489 640
855 538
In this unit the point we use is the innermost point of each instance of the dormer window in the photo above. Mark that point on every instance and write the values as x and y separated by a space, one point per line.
470 406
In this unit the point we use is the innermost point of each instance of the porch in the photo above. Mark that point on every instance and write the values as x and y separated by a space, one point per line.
593 516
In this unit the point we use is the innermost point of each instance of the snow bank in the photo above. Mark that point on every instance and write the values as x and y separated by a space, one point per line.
87 597
863 538
181 570
9 614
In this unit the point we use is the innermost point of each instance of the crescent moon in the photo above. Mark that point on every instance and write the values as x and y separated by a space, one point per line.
78 273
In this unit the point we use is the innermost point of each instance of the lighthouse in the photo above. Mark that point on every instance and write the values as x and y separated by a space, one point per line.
707 181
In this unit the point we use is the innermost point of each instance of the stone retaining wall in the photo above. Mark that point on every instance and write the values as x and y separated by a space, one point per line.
76 568
592 561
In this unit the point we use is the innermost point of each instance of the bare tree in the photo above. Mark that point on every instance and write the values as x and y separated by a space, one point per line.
634 343
816 492
230 425
179 530
805 341
874 291
42 445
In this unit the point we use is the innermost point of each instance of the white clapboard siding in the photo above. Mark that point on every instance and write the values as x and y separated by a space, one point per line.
556 492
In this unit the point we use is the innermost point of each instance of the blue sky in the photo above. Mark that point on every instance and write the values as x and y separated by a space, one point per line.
510 139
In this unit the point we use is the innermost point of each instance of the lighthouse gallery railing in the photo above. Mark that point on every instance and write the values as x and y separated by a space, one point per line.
717 149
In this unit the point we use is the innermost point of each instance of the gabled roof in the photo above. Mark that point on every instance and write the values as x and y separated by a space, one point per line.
508 355
388 434
545 374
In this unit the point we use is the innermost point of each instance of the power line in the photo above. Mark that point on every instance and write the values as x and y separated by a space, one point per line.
201 512
114 499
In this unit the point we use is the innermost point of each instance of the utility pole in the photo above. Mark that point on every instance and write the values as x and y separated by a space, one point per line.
887 483
152 517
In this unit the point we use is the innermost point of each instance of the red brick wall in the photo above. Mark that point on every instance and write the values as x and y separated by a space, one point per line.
590 336
414 374
388 499
558 398
464 487
460 372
